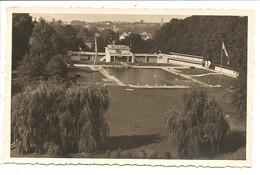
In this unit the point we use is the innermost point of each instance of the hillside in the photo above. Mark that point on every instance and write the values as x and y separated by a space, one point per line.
203 35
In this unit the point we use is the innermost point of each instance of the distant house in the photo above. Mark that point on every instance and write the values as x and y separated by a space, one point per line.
66 22
124 35
145 35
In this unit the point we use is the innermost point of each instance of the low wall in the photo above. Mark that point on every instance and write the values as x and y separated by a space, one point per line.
184 63
226 71
180 60
74 58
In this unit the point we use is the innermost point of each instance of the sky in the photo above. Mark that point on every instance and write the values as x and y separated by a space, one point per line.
106 17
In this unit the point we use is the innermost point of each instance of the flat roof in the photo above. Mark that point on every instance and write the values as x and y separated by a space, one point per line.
187 55
118 47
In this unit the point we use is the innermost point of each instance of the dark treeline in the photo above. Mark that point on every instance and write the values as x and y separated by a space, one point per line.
203 35
21 32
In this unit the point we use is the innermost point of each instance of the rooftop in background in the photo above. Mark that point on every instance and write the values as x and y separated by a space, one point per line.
107 17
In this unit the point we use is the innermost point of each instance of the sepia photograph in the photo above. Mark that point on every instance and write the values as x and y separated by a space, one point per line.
126 87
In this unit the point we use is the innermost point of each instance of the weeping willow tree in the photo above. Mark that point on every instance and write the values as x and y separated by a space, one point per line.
200 127
85 125
51 119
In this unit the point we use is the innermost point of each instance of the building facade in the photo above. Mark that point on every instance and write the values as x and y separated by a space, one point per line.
119 53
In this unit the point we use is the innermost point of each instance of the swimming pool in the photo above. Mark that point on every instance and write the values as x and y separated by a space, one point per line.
145 76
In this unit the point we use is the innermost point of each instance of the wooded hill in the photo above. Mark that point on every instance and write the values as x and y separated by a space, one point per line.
203 35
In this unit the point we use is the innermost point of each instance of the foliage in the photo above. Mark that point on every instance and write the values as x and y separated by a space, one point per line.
202 35
46 40
32 66
168 155
107 36
200 127
144 153
239 98
56 67
137 44
51 119
86 105
21 32
44 58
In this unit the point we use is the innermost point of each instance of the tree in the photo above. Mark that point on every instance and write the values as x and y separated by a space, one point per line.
86 105
203 35
49 118
32 67
21 32
45 44
107 36
139 45
200 127
73 39
45 40
239 97
56 67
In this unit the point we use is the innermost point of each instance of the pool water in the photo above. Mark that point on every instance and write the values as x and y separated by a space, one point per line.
152 77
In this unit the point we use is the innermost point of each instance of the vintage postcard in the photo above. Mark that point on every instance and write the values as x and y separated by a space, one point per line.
165 87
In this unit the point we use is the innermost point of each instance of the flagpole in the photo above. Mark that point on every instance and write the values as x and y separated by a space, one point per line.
221 58
96 54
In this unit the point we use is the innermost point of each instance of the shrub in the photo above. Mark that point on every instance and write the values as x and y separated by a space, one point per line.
118 153
49 118
56 67
200 127
129 155
168 155
144 153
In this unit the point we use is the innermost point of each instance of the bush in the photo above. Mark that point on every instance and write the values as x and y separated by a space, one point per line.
51 119
168 155
200 127
56 67
144 153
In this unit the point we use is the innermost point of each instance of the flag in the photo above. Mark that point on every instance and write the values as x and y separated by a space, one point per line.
225 50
